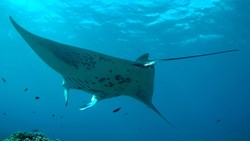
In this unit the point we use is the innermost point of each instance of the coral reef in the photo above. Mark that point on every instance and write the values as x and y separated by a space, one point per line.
27 136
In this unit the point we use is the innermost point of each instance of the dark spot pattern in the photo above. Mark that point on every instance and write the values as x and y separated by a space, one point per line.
73 58
122 80
109 84
118 77
102 79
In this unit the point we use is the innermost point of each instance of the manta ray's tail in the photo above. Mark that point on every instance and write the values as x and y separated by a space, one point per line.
196 56
150 63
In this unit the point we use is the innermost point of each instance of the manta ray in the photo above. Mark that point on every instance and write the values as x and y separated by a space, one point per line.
101 75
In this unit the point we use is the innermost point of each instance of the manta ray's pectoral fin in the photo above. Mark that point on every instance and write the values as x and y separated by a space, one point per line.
90 104
66 93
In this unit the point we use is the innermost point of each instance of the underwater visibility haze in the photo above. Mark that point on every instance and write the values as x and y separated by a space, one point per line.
204 98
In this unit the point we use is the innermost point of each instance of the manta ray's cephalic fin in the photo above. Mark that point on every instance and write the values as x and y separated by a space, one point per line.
93 101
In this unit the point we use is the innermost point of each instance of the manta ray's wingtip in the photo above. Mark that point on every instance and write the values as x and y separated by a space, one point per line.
14 22
11 19
166 120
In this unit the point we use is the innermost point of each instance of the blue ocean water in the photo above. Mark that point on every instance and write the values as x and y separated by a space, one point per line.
207 98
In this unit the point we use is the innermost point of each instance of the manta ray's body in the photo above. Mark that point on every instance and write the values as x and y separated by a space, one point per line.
101 75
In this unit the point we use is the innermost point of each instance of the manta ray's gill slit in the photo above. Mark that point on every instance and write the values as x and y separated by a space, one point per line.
80 84
85 82
70 83
76 84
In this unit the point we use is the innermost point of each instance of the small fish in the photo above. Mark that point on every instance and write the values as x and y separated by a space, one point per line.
217 121
125 114
4 80
116 110
5 114
53 115
26 89
37 97
61 117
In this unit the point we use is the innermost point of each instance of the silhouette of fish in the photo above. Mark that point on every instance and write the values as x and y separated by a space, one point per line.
26 89
116 110
217 121
4 80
